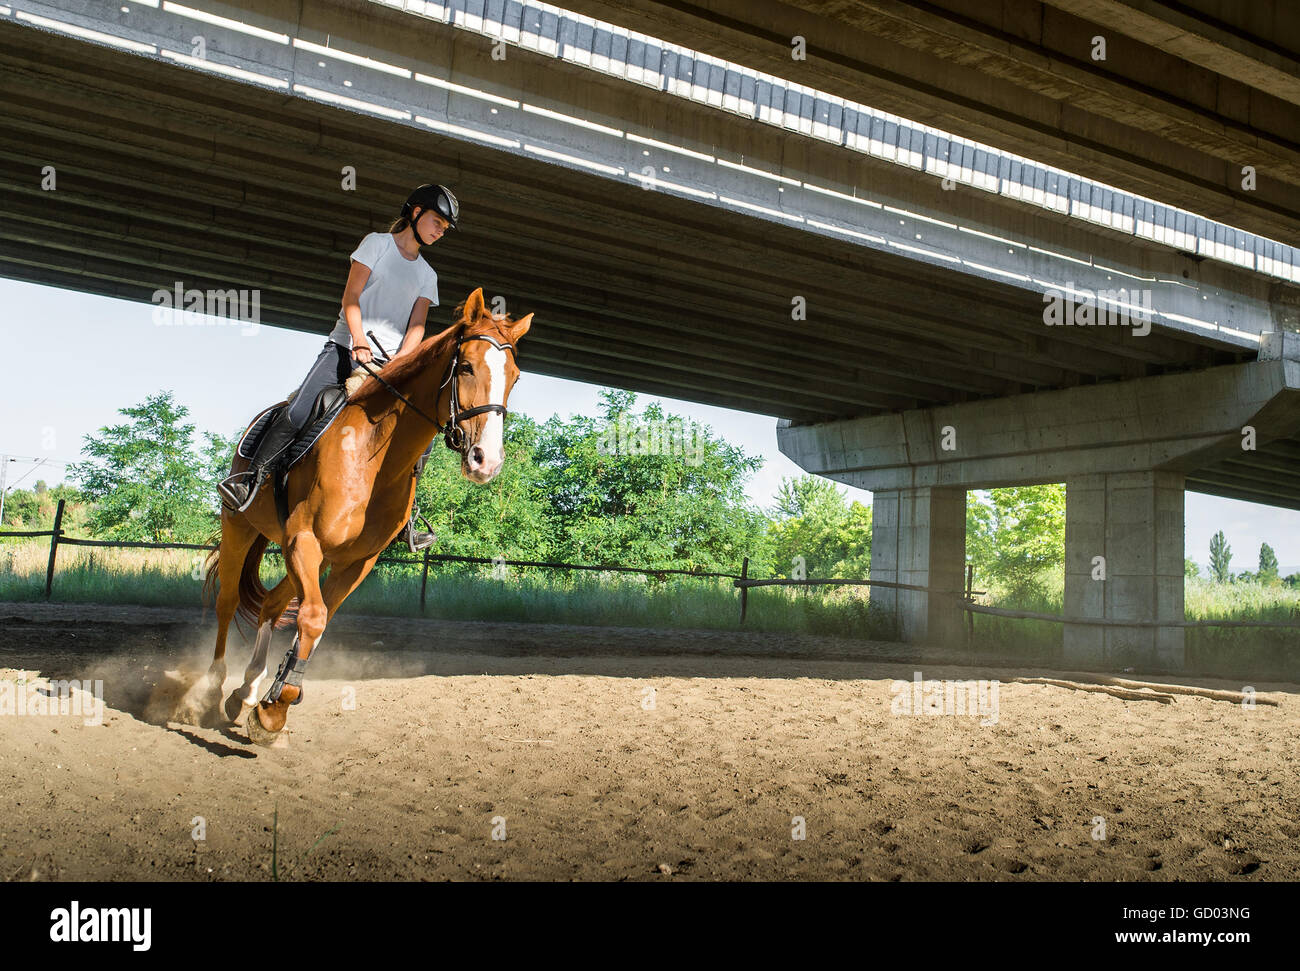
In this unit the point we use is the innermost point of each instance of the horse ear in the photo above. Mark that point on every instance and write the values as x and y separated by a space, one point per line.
518 328
474 304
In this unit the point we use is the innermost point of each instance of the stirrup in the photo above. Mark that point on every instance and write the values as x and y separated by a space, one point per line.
428 539
228 500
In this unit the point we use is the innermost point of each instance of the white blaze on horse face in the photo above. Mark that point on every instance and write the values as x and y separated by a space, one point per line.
492 438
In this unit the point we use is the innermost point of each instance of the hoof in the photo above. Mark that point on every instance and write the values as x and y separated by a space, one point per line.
236 709
260 736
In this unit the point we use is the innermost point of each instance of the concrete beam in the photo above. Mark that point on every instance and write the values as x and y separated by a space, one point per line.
1173 113
1180 422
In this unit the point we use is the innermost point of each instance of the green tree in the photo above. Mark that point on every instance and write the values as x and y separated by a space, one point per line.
1015 534
34 509
648 488
1268 567
1220 558
507 517
1190 570
145 479
812 519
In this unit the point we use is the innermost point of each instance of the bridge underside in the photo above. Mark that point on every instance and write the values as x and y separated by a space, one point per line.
168 174
1187 94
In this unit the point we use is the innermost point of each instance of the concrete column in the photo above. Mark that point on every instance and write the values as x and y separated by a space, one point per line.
919 536
1135 521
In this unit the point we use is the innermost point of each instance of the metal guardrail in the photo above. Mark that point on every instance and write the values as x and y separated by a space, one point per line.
645 60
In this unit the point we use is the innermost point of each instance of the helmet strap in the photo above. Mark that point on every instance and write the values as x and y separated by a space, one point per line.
415 232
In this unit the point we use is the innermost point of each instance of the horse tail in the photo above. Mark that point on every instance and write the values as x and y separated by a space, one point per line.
209 595
251 592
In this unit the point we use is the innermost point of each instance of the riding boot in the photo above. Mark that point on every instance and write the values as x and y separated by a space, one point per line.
238 490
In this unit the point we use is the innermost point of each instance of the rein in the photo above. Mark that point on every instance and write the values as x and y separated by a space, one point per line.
453 434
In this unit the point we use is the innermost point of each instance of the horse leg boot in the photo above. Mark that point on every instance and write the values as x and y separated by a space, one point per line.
420 539
238 490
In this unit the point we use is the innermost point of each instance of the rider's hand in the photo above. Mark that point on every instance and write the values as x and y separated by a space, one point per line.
362 354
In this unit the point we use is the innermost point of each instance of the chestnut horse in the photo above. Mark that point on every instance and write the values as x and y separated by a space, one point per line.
351 495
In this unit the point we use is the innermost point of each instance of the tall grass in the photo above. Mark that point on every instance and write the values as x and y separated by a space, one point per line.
174 578
1209 650
456 592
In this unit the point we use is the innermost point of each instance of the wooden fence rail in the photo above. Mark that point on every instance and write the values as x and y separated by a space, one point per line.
741 581
57 539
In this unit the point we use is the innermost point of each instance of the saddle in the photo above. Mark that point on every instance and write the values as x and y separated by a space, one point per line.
324 410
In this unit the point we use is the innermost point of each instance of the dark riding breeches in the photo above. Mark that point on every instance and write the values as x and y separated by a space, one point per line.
333 365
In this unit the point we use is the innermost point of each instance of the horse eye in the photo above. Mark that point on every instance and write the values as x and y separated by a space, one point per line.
467 369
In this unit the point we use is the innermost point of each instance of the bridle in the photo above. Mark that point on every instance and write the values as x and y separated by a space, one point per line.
452 433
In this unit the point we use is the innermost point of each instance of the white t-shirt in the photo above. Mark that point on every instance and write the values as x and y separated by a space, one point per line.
386 301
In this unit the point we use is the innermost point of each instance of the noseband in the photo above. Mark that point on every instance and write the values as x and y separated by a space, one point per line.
453 434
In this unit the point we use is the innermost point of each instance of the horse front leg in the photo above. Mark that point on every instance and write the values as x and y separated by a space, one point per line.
338 585
303 559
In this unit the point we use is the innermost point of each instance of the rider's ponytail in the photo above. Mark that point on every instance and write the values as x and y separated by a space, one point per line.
400 223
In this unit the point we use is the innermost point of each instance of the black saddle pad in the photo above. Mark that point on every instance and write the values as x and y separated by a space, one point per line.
327 407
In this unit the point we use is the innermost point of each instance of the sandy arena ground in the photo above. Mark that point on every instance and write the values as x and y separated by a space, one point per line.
456 726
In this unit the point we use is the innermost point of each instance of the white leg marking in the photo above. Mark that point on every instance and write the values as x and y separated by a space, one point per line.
256 669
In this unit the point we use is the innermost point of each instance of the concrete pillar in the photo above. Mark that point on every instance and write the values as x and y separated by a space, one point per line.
1135 521
919 536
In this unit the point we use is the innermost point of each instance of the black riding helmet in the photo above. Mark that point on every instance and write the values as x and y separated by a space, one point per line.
435 197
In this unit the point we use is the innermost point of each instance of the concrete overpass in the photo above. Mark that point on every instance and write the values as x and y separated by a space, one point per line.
803 260
1187 94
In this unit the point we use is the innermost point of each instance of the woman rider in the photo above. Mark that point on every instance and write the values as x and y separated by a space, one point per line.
388 295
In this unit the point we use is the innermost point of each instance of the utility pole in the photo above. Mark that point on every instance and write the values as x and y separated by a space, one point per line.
4 469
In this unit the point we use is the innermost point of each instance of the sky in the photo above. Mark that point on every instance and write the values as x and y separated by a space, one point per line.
76 358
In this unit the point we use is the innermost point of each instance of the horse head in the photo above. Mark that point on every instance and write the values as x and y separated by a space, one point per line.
483 373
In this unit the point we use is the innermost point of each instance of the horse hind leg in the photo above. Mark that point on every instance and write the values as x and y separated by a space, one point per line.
243 698
237 537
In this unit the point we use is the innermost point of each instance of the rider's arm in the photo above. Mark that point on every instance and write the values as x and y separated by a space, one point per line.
357 278
415 327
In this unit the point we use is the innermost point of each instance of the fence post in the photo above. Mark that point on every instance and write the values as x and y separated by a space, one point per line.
424 579
54 547
744 591
970 614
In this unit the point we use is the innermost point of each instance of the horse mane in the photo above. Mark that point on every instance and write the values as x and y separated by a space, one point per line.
398 372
